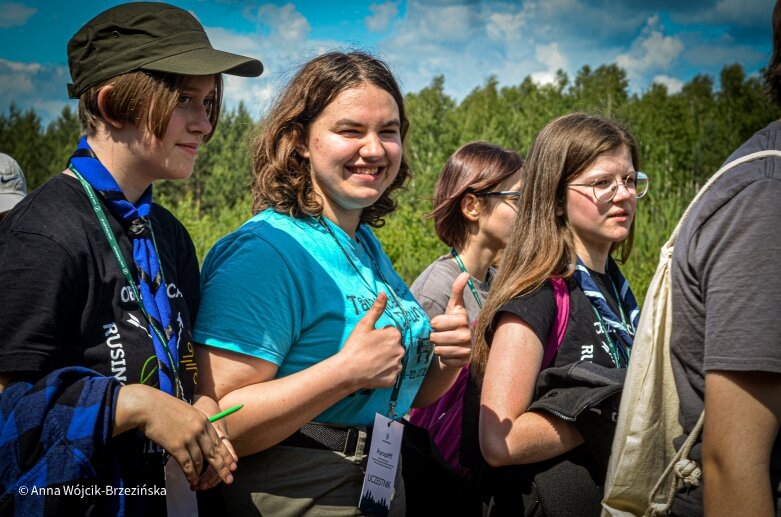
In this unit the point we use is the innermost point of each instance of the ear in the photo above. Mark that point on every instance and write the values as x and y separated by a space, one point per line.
302 145
104 94
470 207
560 206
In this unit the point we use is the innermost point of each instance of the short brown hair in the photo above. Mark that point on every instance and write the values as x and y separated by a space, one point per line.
142 98
282 177
474 167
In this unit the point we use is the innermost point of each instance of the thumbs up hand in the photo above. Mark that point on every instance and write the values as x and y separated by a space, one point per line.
374 355
451 334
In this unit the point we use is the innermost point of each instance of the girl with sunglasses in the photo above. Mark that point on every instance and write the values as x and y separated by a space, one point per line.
474 207
576 210
473 211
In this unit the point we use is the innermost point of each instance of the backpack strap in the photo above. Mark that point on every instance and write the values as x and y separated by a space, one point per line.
561 294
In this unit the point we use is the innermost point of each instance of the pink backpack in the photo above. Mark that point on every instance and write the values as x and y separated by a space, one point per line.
444 418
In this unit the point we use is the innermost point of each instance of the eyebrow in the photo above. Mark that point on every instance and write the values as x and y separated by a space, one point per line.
350 122
602 172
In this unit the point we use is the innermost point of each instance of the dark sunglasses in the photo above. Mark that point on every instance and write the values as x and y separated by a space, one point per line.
514 195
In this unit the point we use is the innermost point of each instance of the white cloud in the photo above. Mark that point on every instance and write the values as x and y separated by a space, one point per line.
35 85
673 85
552 58
21 68
284 22
551 55
229 41
256 93
444 24
505 25
651 51
382 15
282 43
13 14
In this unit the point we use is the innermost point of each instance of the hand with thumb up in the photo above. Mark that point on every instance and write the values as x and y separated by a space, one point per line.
451 334
374 355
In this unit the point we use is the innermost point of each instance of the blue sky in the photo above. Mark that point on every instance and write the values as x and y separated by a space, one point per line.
467 41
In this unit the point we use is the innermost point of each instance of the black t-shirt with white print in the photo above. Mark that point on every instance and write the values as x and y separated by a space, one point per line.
64 300
583 337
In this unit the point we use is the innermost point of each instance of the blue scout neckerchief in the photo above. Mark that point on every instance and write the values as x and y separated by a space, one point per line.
153 298
626 305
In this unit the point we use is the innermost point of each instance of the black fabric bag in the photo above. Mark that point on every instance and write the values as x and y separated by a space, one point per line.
430 482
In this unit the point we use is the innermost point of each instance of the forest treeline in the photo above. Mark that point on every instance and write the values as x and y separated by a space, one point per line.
683 138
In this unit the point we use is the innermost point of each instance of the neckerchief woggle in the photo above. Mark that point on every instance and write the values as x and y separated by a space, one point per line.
625 329
153 293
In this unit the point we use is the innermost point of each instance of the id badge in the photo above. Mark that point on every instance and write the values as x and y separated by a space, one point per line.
382 463
179 499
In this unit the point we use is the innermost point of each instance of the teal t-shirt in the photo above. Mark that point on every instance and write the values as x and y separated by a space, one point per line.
282 289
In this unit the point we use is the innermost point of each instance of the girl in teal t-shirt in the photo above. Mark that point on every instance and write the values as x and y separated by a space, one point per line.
303 318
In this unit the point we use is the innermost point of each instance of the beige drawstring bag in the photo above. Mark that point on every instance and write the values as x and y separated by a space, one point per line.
645 471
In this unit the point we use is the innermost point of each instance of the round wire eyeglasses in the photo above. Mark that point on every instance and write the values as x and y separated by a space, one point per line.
605 187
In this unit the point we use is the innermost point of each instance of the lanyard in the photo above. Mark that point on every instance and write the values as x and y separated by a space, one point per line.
468 282
104 224
617 349
405 326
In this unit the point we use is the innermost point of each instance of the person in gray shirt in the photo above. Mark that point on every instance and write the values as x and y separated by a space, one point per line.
473 212
474 207
726 337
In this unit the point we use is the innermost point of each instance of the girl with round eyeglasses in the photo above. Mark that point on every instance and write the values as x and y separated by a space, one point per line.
548 406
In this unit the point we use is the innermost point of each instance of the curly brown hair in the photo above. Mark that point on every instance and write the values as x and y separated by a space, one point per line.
282 177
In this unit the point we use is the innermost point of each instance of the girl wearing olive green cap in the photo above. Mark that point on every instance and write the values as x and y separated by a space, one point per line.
101 285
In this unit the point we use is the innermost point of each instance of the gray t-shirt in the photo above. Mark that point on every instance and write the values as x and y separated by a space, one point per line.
726 288
433 286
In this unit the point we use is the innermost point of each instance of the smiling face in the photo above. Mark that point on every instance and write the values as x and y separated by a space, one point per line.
354 151
596 225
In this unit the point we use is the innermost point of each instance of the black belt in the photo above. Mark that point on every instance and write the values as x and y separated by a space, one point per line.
328 438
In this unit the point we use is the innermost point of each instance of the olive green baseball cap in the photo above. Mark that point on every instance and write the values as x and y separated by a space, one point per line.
150 36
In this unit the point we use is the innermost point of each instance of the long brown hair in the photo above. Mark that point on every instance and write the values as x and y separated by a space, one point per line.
542 243
473 167
282 177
